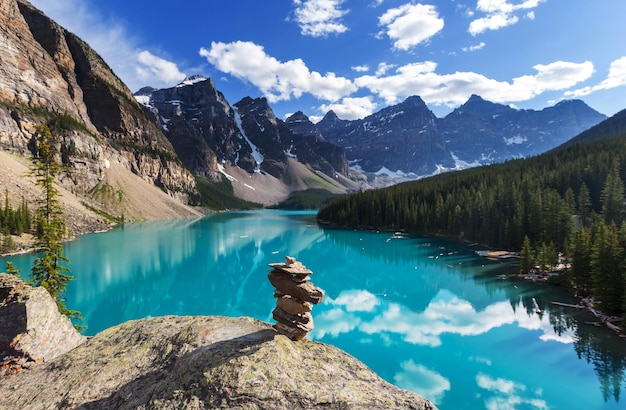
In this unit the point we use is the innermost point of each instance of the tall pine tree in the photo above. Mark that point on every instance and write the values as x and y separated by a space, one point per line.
49 269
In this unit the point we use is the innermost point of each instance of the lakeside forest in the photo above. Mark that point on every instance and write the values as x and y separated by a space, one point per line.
568 202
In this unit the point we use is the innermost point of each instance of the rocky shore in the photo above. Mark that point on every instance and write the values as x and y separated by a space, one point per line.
174 362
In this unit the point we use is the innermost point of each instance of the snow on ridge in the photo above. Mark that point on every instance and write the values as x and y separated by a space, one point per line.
143 99
221 168
256 154
192 80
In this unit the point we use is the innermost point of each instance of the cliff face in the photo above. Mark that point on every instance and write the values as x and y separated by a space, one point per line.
49 75
200 363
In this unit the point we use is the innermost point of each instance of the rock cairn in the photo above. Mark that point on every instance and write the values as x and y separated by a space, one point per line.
294 294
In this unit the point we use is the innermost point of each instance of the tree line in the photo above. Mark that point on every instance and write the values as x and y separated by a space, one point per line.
13 222
568 201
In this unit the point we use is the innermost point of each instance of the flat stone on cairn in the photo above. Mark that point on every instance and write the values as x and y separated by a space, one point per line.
294 295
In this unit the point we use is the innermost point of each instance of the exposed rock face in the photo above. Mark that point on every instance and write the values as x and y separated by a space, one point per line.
409 138
49 75
206 131
33 330
202 363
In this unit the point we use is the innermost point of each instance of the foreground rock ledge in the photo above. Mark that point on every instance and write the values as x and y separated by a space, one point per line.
200 362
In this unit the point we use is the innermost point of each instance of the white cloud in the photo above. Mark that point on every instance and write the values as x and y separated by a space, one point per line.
474 47
360 68
113 41
351 108
454 89
277 80
152 67
356 301
421 380
383 68
411 24
500 13
615 78
318 18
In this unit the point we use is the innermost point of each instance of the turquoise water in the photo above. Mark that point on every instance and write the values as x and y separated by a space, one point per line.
424 313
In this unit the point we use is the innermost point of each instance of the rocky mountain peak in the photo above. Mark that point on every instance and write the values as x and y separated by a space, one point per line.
300 124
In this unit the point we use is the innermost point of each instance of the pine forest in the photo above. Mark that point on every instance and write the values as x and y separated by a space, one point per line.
568 202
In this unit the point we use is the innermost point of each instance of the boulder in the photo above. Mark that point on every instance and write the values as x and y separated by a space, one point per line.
32 329
204 362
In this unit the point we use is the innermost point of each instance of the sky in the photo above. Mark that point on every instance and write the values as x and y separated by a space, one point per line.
356 57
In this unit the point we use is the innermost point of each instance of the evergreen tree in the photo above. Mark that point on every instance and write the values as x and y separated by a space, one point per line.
526 256
581 261
49 270
607 269
613 196
10 269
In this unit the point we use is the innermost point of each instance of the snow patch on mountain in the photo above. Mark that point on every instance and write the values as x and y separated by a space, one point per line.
192 80
256 154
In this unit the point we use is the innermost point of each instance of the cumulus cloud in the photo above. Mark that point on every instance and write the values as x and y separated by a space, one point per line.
152 67
454 89
113 41
277 80
500 13
318 18
351 108
615 78
410 24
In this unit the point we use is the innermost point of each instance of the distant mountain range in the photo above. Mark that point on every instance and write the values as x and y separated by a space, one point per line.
408 140
179 137
401 141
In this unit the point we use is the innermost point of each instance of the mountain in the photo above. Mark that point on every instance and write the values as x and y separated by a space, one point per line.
407 139
612 128
244 142
107 144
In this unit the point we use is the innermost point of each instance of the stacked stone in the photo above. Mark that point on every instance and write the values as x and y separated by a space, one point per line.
295 294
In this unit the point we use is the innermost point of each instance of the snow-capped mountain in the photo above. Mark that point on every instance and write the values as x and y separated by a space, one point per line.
208 133
408 140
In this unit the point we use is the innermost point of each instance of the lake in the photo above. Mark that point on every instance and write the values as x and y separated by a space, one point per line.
425 313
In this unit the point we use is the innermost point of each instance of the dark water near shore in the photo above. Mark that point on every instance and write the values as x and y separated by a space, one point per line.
426 314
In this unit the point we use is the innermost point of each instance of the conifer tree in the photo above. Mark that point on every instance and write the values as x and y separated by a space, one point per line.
526 256
613 196
607 269
10 269
49 269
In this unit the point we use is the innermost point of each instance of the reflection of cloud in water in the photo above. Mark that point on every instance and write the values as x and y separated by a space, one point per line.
446 313
356 301
423 381
508 394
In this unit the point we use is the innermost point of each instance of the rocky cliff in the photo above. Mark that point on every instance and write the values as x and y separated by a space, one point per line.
48 75
200 363
244 140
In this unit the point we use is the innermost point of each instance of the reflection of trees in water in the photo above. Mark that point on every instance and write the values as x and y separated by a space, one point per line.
597 346
606 352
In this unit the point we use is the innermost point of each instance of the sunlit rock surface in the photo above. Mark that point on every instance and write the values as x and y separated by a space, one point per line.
202 363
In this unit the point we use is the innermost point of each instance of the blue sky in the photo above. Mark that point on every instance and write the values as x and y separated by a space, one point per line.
359 56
